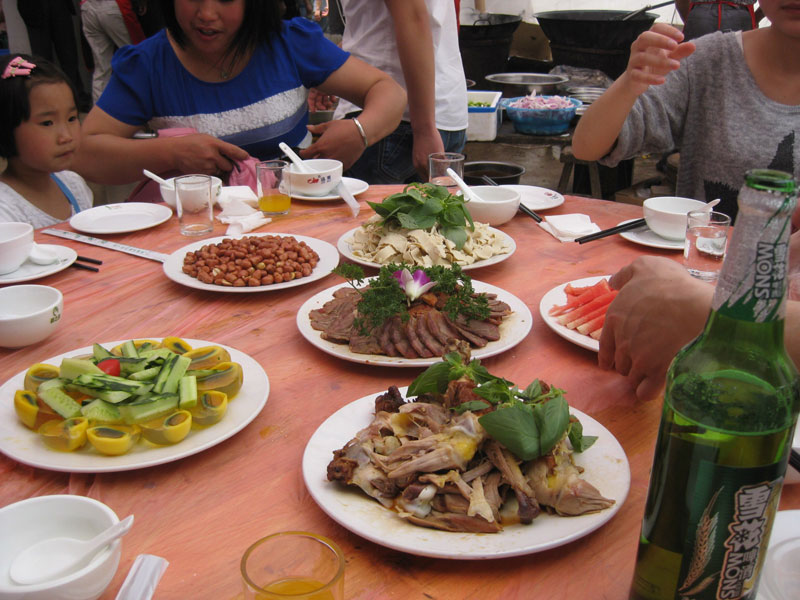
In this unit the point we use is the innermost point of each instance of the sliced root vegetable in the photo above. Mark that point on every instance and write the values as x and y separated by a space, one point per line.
593 292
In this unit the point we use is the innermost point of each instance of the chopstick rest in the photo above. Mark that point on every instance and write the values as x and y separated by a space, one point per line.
611 231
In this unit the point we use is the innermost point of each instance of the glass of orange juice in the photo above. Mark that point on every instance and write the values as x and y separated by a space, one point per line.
293 564
274 195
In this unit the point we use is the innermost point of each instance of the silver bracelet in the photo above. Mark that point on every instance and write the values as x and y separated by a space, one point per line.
361 131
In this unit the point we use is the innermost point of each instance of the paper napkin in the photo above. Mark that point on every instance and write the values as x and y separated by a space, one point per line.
568 227
241 217
243 193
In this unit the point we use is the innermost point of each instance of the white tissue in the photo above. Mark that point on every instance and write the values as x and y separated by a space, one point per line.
142 579
243 193
239 224
568 227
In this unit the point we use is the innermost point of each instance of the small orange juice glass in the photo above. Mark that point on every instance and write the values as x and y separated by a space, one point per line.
274 193
293 565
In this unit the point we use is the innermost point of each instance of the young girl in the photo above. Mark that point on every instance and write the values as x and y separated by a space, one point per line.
39 137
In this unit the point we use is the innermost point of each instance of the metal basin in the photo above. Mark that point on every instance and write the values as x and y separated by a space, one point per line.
501 172
522 84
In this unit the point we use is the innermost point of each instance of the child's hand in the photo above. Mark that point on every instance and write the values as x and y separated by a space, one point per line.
653 55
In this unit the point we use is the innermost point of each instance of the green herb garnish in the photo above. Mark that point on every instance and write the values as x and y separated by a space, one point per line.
425 205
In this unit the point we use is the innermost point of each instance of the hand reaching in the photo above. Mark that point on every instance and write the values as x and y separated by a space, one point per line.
653 55
339 139
659 309
201 153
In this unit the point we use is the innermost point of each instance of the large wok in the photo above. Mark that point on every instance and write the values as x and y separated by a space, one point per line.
595 29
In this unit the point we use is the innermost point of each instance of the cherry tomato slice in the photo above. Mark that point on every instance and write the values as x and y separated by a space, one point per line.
109 366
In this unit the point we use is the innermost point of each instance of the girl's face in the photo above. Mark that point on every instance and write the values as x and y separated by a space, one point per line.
49 139
784 15
210 25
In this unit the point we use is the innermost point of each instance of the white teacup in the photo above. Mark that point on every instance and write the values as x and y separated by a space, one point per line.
16 241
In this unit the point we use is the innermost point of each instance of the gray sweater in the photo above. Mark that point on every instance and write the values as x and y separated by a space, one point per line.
14 207
712 111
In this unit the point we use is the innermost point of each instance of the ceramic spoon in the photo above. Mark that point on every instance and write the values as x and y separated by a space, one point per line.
298 162
468 193
55 557
41 255
710 205
157 179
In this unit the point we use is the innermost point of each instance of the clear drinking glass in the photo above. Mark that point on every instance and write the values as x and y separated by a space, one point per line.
293 564
194 204
274 195
706 239
439 162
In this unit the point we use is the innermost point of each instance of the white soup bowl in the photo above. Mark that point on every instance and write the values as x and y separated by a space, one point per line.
325 175
28 314
666 215
496 204
30 521
16 241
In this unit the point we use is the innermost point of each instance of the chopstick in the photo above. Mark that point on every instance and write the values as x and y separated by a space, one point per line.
78 265
611 231
794 459
94 261
530 213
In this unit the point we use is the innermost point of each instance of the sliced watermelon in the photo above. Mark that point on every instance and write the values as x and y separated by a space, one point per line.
593 325
593 292
585 318
591 306
595 335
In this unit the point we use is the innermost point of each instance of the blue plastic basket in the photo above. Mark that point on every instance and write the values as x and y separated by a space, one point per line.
540 121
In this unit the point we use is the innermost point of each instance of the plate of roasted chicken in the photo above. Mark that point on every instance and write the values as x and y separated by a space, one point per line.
420 474
336 320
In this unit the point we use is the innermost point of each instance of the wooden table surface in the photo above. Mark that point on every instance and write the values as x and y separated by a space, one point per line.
201 512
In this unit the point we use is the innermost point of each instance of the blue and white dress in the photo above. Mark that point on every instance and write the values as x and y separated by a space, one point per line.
263 105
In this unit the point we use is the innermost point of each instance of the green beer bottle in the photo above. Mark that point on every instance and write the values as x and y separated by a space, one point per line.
730 406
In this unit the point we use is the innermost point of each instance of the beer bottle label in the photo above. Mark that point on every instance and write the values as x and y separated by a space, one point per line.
731 513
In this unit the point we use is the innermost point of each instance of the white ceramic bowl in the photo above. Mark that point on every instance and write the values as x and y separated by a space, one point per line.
326 175
28 314
168 192
497 204
29 521
666 215
16 241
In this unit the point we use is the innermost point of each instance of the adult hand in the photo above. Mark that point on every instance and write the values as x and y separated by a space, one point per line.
659 309
339 139
654 54
201 153
425 144
318 101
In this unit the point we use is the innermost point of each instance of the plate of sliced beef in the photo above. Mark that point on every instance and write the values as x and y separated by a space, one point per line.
327 321
382 502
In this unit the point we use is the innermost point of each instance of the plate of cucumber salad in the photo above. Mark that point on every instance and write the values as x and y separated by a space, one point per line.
129 404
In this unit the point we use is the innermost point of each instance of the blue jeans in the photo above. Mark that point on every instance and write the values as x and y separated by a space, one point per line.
389 161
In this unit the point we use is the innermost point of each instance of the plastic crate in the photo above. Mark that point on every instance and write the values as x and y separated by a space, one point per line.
483 121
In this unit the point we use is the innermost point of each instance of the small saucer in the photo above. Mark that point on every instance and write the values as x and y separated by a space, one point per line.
29 270
645 236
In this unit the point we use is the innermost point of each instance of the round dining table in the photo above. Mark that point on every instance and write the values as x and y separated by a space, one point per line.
202 511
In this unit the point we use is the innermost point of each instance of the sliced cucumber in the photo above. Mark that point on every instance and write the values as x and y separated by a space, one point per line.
73 367
129 350
171 372
101 411
187 392
101 353
157 406
146 375
52 393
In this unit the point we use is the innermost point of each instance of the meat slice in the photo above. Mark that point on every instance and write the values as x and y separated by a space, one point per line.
385 340
389 402
465 333
399 339
484 329
364 344
410 330
455 522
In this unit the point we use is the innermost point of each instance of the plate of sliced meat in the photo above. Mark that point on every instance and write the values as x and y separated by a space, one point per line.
326 320
576 310
385 516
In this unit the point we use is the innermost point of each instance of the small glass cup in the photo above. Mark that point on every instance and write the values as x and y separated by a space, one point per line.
274 193
706 240
194 204
293 564
439 162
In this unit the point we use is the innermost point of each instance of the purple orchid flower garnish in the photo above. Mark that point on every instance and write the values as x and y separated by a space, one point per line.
413 285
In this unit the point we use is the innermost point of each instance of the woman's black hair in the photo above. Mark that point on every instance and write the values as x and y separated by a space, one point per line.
262 20
14 96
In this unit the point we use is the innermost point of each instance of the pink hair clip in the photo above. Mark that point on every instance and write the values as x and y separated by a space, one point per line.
18 66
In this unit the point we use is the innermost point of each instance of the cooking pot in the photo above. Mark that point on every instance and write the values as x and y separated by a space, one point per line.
484 44
522 84
501 172
597 29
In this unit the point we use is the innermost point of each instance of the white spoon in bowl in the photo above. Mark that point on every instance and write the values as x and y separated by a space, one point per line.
465 189
157 179
56 557
708 207
298 162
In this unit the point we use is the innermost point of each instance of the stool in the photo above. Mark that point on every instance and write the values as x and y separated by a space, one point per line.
570 161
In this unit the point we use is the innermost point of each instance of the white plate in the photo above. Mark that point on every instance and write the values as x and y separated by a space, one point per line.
23 445
557 297
537 198
344 247
120 218
513 330
782 555
644 235
356 186
606 468
328 259
29 270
